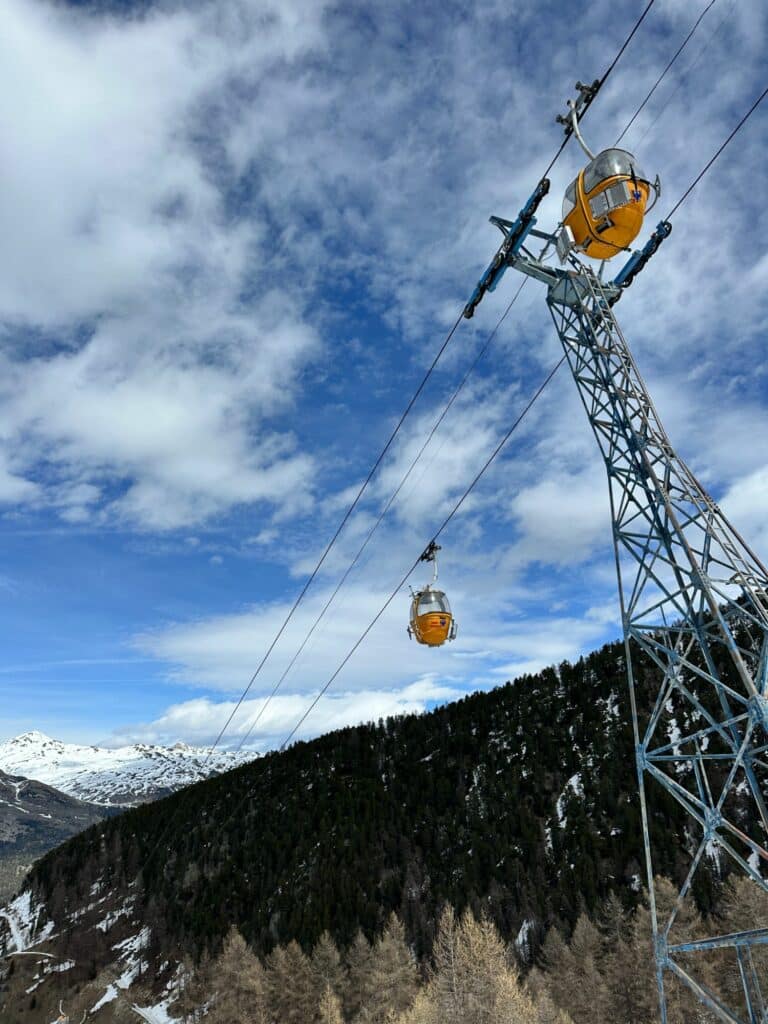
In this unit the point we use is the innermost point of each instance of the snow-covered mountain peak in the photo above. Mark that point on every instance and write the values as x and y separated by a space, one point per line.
34 738
108 776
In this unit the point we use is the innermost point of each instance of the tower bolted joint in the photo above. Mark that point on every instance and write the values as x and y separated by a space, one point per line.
758 711
641 758
713 819
661 948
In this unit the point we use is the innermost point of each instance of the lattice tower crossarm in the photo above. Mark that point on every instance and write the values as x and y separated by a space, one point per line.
694 603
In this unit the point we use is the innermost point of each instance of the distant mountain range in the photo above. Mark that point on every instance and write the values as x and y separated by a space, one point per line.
50 791
122 777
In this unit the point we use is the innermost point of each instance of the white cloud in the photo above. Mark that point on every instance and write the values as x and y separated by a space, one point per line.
200 721
14 488
113 216
746 504
204 204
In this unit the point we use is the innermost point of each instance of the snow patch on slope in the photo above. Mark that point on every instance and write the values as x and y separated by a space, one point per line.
574 784
23 918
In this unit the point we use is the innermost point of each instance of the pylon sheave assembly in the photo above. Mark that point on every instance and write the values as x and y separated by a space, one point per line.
693 594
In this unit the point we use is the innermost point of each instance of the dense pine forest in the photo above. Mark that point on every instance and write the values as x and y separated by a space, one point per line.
519 803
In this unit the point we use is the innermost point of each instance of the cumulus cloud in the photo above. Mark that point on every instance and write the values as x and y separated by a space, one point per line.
200 721
134 365
233 237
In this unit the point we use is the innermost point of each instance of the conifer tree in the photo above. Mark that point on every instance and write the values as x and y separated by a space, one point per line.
744 906
327 967
357 987
294 996
447 989
330 1008
238 984
589 993
393 978
423 1010
549 1013
492 991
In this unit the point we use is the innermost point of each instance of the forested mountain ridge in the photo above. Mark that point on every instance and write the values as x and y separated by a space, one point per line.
33 819
520 803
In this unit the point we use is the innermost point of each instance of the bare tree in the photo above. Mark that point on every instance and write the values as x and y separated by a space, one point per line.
358 981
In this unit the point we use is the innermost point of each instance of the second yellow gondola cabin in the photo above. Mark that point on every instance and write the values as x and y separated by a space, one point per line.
604 206
431 620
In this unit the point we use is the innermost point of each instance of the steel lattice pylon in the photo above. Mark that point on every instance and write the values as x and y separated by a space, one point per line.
694 601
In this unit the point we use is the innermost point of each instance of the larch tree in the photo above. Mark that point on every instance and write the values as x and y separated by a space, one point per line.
447 988
549 1013
327 967
329 1011
588 991
393 978
239 984
358 980
423 1010
298 997
490 988
744 906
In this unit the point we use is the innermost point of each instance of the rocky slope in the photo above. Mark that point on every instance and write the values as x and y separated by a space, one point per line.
33 819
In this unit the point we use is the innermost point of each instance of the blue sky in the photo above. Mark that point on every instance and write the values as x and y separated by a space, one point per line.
234 236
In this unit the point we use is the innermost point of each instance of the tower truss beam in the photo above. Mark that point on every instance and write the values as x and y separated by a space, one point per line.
694 601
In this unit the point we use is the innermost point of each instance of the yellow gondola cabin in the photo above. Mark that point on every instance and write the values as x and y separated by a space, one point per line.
605 205
431 620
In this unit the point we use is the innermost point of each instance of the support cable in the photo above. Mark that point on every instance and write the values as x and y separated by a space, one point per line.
717 153
627 41
531 402
335 537
599 84
410 405
674 209
684 76
329 682
317 568
377 463
383 513
443 414
663 74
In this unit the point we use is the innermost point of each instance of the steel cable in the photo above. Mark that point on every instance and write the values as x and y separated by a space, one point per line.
674 209
436 425
663 74
392 437
601 82
531 402
683 77
335 537
382 454
717 153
